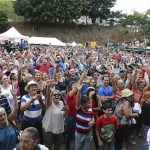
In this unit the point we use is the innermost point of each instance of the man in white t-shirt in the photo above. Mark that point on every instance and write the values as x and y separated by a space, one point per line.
29 140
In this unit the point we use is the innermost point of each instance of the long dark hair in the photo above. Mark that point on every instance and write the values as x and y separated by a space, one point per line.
69 88
94 97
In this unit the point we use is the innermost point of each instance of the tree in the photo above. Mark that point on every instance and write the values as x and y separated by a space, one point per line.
70 9
50 10
99 9
3 20
114 17
145 28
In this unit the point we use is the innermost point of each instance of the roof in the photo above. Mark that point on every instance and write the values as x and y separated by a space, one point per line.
46 41
12 33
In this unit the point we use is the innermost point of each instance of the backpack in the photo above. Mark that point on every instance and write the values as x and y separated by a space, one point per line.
119 112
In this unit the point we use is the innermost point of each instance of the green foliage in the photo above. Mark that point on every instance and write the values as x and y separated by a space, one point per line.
7 7
62 10
99 9
114 16
3 20
50 10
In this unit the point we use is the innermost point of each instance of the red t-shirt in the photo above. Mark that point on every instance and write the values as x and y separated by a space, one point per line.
95 112
44 68
71 102
102 123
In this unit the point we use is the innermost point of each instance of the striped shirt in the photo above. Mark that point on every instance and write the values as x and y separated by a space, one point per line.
34 112
83 117
118 95
5 104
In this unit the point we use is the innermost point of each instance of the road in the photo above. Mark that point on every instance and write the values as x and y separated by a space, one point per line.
131 147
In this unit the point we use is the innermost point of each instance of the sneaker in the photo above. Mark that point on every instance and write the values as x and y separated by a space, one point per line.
139 135
91 138
132 141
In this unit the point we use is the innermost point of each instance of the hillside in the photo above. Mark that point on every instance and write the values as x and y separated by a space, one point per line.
79 34
68 34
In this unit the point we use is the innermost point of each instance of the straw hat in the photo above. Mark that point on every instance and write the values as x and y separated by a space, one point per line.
29 84
126 93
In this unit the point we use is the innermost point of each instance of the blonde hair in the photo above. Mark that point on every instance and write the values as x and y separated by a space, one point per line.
3 110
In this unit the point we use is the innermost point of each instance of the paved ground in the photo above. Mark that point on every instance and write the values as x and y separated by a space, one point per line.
131 147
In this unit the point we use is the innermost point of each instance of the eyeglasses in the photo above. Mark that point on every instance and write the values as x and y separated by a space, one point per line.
25 141
57 94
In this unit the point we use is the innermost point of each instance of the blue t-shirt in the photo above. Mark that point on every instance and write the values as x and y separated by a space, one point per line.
8 138
105 91
84 89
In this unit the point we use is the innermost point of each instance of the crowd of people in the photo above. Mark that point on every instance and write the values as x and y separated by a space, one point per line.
74 93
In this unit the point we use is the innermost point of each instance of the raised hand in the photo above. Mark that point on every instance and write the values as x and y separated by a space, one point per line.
91 93
79 87
48 82
91 123
39 97
14 91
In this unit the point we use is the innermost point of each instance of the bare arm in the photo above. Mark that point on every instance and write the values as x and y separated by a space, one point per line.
113 84
13 113
147 88
19 75
38 61
98 136
72 92
43 106
55 78
127 111
78 102
48 94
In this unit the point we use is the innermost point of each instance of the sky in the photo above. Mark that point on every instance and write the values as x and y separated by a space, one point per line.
127 6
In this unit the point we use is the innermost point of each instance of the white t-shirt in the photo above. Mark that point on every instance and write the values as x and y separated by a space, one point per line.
53 120
148 139
8 95
42 147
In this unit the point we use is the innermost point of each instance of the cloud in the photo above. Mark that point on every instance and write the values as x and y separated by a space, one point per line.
127 6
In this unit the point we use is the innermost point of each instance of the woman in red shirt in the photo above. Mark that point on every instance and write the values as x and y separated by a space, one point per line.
71 115
96 105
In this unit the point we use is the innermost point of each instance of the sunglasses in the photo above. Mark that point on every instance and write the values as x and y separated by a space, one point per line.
56 94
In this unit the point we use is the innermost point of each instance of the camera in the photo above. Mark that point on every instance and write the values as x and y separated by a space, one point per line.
38 92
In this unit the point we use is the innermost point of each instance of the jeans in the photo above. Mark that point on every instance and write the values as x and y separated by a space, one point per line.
111 146
94 136
70 126
144 144
82 141
51 139
121 136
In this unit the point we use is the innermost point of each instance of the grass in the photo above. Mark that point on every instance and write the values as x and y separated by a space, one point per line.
7 7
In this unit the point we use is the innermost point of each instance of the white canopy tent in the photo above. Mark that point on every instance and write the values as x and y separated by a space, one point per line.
74 44
13 34
46 41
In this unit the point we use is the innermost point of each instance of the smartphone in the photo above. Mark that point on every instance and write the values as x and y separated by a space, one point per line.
65 108
38 92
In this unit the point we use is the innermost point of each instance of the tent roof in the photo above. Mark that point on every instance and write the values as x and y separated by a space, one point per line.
46 41
12 33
